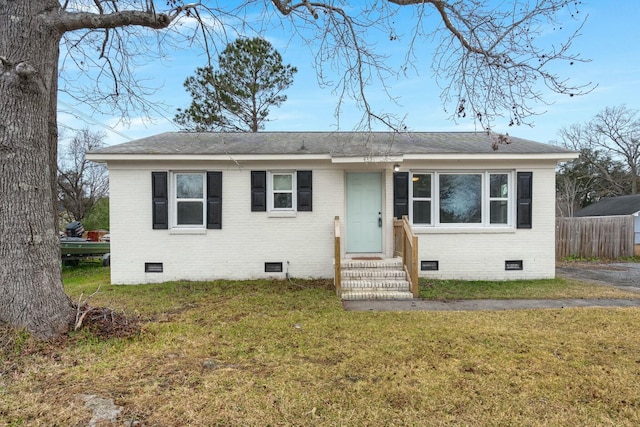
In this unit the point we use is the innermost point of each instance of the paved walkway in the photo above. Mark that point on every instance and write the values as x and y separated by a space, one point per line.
483 304
624 276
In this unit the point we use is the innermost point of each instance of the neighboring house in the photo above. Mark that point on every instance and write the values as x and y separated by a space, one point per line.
200 206
616 206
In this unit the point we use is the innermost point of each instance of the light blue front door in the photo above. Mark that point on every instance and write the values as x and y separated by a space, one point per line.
364 208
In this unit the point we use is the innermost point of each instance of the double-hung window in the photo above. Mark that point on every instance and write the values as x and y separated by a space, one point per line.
281 190
499 198
452 199
189 209
186 200
285 192
421 187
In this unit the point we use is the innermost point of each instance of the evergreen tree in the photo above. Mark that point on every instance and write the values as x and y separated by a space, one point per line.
237 97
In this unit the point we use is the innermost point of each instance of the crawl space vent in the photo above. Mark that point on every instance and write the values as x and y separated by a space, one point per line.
513 265
429 265
273 267
153 267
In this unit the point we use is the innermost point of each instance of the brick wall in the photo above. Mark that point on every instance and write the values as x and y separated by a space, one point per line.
303 242
480 254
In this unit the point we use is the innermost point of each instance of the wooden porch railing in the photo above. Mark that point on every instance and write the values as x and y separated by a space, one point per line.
337 274
405 244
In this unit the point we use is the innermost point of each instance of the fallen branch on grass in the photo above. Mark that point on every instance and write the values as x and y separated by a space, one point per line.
103 321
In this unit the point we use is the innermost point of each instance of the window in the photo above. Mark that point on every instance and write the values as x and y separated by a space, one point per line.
499 198
192 200
421 186
461 199
281 191
189 193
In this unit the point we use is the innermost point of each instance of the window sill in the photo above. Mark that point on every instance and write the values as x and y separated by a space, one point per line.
188 231
463 230
284 214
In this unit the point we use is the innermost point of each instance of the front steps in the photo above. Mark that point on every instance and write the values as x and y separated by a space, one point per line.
374 279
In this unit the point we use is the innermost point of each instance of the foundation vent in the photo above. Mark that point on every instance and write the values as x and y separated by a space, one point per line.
513 265
429 266
153 267
273 267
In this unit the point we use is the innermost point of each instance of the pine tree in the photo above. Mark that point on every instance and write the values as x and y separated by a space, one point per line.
237 97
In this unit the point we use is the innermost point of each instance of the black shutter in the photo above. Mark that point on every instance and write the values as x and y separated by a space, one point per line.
214 200
400 194
159 200
258 191
525 187
305 193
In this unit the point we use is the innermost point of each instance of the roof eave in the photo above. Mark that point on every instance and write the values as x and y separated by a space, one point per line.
366 159
103 157
109 157
560 157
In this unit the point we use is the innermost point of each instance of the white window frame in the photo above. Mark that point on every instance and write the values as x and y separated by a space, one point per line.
419 199
485 199
173 200
509 199
271 191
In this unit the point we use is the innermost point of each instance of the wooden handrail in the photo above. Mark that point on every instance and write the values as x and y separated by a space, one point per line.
337 274
397 237
409 250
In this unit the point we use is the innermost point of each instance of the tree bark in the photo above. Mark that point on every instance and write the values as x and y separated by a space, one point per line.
31 292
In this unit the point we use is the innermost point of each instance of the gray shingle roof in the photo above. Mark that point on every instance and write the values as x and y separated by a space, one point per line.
336 144
622 205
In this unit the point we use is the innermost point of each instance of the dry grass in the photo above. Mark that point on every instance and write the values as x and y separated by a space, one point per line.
271 353
519 289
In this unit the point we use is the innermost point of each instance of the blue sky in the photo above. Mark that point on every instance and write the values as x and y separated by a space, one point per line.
609 39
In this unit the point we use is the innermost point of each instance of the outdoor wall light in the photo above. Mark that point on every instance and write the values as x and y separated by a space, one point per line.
396 167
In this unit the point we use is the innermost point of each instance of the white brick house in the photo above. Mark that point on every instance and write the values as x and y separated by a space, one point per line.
199 206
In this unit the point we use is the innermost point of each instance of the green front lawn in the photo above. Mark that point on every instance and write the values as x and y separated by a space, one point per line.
278 353
517 289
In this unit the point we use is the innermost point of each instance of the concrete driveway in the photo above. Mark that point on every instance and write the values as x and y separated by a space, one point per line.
621 275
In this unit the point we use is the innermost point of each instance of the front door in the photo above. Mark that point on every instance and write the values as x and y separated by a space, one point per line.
364 208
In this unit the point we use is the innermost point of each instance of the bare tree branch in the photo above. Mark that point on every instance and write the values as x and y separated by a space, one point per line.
488 60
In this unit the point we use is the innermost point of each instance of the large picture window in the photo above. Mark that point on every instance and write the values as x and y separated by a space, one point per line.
189 202
461 199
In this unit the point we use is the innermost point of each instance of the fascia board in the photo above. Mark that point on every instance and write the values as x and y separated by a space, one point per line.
108 157
494 156
367 159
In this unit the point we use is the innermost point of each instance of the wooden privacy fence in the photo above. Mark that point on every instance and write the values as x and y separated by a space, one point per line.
608 237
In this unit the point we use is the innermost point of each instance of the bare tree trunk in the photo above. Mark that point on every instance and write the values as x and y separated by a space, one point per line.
31 292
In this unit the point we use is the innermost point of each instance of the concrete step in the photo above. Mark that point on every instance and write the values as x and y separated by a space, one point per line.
375 295
373 273
374 279
389 263
376 284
